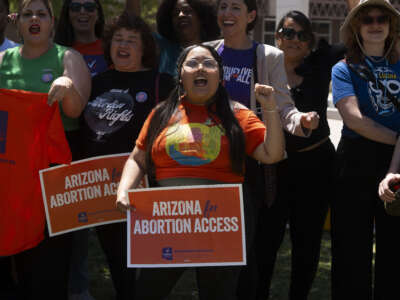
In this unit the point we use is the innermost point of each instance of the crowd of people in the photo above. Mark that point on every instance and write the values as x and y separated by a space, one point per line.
266 109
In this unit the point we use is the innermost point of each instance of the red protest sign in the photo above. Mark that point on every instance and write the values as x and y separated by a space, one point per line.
186 226
82 194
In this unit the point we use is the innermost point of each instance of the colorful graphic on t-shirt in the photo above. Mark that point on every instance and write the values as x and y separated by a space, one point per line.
242 75
379 99
109 112
193 144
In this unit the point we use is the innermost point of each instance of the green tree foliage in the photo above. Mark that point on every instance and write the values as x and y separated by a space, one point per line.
56 5
149 11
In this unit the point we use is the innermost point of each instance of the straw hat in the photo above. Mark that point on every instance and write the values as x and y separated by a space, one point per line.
346 29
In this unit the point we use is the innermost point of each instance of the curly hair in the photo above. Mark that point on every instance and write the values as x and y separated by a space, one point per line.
205 10
354 52
131 22
65 32
219 108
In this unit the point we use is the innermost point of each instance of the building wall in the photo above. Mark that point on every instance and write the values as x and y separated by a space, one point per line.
329 13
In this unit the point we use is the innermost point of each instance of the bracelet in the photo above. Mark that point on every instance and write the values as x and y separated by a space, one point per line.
269 111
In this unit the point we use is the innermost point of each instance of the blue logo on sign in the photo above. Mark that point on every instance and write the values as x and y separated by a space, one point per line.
82 217
3 130
167 253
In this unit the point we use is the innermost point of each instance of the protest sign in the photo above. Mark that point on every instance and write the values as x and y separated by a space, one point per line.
186 226
82 194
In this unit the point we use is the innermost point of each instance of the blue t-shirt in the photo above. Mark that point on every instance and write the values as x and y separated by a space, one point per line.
93 55
169 53
371 100
7 44
238 70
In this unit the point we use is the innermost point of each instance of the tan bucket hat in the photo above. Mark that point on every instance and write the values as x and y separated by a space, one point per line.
346 29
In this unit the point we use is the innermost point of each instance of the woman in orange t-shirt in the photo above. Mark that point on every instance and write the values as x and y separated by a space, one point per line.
199 136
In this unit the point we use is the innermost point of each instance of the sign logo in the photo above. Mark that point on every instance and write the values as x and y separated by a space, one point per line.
3 130
82 217
167 253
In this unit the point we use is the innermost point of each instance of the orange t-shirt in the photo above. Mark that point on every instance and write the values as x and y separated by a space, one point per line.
196 147
31 137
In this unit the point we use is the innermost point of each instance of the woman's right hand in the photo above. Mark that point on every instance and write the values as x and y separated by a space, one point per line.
12 18
122 202
265 96
310 120
384 191
58 89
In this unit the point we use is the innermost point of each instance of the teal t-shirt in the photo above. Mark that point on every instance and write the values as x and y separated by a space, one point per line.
169 53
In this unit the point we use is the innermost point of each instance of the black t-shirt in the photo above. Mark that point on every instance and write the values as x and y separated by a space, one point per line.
312 93
118 106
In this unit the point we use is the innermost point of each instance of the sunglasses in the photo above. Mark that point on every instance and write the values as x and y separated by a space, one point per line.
290 34
88 6
368 20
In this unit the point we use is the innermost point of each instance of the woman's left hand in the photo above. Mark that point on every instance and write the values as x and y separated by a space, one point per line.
310 120
384 191
265 96
58 89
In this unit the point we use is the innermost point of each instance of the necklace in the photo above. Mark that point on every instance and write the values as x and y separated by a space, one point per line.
379 60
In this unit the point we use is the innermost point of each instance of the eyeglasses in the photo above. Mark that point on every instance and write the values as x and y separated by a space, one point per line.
290 34
88 6
207 64
368 20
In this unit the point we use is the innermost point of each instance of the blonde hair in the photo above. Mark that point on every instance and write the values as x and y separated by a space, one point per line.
25 3
355 52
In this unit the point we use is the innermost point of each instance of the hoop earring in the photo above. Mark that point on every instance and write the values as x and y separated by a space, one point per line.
181 91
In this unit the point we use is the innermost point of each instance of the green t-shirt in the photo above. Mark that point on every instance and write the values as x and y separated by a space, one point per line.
35 75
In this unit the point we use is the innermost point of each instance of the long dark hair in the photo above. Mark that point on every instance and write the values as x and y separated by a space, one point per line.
205 10
302 20
219 109
65 32
7 5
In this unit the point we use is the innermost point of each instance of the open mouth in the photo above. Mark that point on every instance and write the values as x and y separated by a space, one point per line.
123 54
83 20
34 29
228 23
200 82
